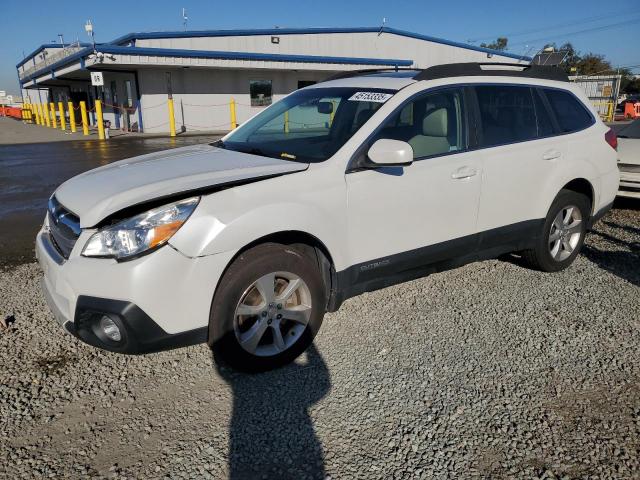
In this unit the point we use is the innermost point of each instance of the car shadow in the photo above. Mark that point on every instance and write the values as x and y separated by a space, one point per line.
271 434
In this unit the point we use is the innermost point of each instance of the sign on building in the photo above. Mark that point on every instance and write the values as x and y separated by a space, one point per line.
97 80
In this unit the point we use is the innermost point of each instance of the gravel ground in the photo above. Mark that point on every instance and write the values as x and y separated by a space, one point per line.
488 371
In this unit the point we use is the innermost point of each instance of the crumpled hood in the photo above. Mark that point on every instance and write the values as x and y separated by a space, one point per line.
98 193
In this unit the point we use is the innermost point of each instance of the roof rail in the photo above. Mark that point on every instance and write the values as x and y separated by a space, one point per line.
358 73
492 69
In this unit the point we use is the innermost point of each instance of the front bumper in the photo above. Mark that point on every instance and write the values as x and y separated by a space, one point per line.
159 301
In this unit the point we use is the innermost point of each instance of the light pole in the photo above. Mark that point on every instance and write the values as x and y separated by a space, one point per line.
88 27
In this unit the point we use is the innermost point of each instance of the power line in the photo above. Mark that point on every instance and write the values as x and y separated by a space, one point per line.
552 27
633 21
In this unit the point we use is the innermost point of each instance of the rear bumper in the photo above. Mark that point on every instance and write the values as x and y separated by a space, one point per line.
629 185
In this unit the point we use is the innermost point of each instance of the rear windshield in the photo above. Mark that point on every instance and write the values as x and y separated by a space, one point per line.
309 125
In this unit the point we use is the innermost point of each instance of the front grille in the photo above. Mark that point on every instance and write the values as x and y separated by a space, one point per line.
629 168
64 227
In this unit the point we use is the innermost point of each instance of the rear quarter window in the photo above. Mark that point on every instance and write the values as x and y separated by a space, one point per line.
572 116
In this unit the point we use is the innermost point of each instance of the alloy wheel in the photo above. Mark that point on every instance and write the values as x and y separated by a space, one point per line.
565 233
272 314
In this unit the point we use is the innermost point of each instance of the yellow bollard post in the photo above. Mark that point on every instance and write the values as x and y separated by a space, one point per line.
72 117
286 121
63 120
83 114
99 119
172 118
54 118
45 111
36 114
232 108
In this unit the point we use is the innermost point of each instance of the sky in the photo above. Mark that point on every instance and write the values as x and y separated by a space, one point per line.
591 25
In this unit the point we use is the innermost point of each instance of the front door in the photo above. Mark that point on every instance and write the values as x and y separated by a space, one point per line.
403 218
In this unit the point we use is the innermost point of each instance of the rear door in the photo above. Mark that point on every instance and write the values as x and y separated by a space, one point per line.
521 152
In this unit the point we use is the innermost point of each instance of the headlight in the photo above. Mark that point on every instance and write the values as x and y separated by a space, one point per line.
140 233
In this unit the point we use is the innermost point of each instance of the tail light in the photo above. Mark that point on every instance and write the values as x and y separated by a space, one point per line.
611 138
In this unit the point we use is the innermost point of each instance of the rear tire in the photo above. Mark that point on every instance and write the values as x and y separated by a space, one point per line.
562 234
267 309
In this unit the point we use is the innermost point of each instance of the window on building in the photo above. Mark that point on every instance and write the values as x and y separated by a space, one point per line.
261 92
305 83
507 114
432 124
129 93
114 92
570 113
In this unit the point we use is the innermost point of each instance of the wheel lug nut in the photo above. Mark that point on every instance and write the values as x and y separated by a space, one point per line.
278 316
264 314
279 306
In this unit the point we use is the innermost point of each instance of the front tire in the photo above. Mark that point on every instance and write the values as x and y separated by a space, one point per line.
563 233
268 308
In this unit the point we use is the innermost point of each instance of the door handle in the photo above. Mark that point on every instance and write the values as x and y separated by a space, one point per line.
464 172
551 155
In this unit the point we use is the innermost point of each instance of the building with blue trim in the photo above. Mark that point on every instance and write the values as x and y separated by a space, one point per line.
203 70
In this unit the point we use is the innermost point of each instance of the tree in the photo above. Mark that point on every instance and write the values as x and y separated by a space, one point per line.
499 44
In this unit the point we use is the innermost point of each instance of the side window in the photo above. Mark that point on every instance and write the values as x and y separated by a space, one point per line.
507 114
543 120
260 92
432 124
571 114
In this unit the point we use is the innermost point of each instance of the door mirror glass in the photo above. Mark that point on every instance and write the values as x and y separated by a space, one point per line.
390 153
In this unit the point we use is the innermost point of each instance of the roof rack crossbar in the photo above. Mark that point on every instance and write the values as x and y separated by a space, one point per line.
499 69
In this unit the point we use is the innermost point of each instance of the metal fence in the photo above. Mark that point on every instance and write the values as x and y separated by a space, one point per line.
602 90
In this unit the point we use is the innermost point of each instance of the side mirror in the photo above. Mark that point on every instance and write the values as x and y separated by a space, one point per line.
390 153
325 107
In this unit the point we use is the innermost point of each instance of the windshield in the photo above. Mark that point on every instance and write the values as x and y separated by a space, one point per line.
309 125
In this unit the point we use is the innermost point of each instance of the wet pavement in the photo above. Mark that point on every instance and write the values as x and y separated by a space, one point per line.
29 173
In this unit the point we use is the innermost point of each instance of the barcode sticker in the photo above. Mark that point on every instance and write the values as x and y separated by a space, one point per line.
370 97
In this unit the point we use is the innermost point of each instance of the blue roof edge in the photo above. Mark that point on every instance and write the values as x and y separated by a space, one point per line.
41 48
276 57
170 52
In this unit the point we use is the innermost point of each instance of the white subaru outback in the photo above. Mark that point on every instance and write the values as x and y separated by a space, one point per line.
343 187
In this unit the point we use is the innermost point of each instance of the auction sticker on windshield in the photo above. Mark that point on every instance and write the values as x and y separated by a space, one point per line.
370 97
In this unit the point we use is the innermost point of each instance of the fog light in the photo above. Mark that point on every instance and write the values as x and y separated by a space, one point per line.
110 329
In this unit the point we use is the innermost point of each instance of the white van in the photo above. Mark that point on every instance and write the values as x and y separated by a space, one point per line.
343 187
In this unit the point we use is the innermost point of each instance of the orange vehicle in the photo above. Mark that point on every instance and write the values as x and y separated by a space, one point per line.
632 110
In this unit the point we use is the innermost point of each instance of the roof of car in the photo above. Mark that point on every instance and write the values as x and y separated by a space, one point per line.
395 78
382 81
